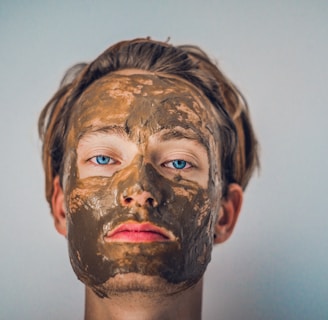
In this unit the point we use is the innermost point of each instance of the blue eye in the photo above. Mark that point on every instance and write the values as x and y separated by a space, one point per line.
102 160
179 164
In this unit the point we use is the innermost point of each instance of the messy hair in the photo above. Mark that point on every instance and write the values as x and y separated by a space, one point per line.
239 147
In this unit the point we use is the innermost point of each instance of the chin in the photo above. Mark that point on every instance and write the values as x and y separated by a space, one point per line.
132 283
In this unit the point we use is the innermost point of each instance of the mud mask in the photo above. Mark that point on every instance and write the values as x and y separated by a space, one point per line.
125 175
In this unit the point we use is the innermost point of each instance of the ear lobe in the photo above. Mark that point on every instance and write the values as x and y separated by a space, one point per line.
58 207
229 212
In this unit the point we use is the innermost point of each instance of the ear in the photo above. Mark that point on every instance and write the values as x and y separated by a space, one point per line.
229 212
58 207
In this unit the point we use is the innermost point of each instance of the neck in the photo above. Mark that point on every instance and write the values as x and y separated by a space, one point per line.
143 306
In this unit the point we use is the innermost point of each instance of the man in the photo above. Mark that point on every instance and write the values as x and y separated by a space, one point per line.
146 150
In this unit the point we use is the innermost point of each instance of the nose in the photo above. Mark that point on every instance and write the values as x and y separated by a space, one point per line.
138 198
137 185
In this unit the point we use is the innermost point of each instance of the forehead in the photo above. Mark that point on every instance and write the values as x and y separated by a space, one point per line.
143 100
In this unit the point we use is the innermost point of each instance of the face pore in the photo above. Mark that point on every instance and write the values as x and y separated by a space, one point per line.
142 183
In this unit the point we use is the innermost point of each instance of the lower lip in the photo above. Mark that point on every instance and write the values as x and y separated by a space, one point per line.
136 236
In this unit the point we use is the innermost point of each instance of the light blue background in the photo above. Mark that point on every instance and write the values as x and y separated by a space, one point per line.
275 265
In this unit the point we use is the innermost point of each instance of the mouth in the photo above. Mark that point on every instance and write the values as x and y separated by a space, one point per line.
139 232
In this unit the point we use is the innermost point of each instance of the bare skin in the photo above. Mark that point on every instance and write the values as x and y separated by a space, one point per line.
142 196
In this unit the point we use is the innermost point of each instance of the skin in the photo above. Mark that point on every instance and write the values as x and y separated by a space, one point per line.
143 123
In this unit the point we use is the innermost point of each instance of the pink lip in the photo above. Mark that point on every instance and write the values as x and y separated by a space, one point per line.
138 232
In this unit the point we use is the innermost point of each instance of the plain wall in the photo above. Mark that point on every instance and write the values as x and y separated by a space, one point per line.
275 265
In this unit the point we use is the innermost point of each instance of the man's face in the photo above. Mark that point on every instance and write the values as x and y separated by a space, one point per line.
142 184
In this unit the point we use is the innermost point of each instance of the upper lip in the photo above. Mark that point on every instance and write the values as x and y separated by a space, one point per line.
133 226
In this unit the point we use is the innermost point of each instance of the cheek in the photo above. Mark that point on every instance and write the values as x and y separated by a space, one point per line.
92 205
196 219
194 213
88 213
95 195
190 203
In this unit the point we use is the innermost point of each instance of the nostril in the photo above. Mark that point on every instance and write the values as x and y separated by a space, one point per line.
150 201
127 200
139 199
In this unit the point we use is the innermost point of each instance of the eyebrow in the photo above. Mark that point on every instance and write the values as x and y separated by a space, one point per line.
93 130
180 133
